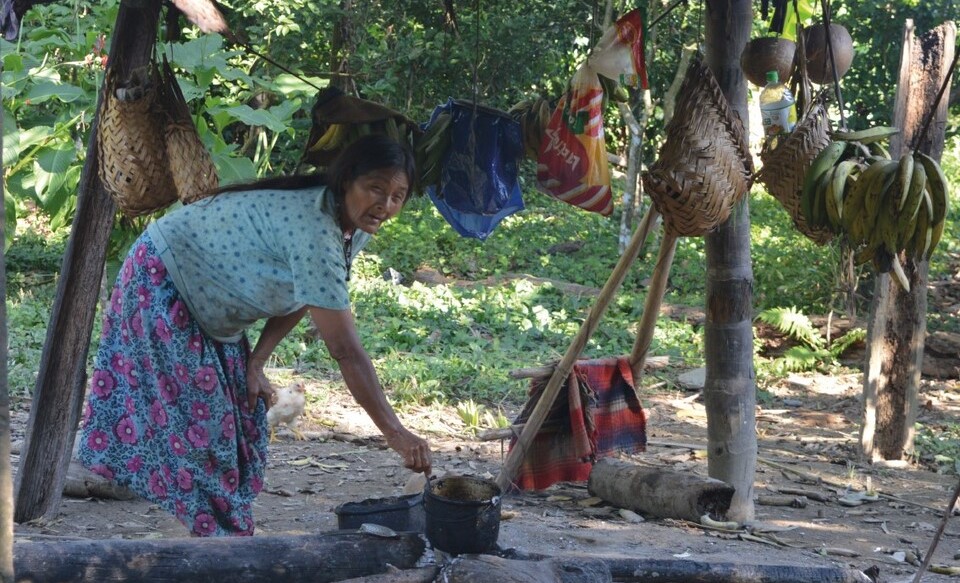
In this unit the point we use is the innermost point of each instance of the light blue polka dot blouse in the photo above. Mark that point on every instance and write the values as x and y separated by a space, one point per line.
244 256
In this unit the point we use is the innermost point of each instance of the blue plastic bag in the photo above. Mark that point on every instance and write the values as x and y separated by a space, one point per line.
478 182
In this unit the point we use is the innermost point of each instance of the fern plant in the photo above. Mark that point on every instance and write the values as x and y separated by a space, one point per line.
813 352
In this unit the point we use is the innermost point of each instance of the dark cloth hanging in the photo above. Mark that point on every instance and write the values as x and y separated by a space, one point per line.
479 184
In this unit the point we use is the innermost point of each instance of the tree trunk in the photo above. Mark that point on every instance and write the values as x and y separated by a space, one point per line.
730 391
318 558
6 468
58 394
898 319
658 492
341 48
631 188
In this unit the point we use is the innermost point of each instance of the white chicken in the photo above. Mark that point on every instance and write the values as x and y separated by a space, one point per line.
287 409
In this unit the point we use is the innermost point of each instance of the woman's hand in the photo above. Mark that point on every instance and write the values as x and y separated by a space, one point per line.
340 335
258 386
414 450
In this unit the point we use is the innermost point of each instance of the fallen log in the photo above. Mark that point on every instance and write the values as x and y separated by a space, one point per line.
658 492
666 570
493 569
82 483
629 570
421 575
316 558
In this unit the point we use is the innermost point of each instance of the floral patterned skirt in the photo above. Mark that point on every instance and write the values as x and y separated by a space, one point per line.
166 413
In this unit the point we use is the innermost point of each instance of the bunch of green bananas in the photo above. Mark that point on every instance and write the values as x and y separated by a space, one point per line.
533 116
884 206
430 147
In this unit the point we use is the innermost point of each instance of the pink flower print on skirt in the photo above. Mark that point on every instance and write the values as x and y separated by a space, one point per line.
166 414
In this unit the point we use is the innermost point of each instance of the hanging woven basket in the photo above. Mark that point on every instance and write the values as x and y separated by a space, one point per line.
191 167
130 145
704 166
785 166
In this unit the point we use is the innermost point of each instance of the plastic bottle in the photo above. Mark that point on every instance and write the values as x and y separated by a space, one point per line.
778 110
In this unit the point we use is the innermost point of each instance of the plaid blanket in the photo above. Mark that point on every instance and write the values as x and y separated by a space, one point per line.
599 415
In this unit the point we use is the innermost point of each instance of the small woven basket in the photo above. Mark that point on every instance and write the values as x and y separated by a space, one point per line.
785 166
191 167
704 166
130 146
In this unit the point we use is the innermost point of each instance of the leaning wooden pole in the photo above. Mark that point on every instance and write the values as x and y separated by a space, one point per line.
514 458
58 394
651 309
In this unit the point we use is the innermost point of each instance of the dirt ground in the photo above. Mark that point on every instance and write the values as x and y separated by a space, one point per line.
807 430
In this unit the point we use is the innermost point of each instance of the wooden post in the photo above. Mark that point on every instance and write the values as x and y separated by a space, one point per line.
514 458
59 391
730 393
6 468
898 319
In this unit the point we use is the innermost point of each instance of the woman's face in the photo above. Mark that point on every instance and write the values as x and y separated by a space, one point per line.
373 199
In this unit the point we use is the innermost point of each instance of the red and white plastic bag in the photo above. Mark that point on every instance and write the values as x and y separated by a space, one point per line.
619 54
572 162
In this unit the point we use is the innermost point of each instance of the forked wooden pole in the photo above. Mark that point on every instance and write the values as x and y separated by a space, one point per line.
651 309
515 457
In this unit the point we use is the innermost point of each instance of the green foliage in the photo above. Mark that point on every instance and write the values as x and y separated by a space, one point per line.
813 352
937 445
477 417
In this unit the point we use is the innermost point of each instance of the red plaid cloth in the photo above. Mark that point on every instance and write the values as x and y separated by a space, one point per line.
573 436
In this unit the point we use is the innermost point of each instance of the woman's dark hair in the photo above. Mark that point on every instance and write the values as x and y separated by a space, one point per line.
369 154
362 156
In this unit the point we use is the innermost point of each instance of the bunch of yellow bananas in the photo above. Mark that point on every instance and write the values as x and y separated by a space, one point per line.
430 148
884 206
533 116
338 135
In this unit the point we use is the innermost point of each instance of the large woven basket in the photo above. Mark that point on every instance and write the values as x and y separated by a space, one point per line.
704 166
191 167
785 166
130 144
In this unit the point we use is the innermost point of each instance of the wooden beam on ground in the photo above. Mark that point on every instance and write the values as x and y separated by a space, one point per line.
317 558
651 362
421 575
58 394
514 458
658 492
659 570
492 569
82 483
634 570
